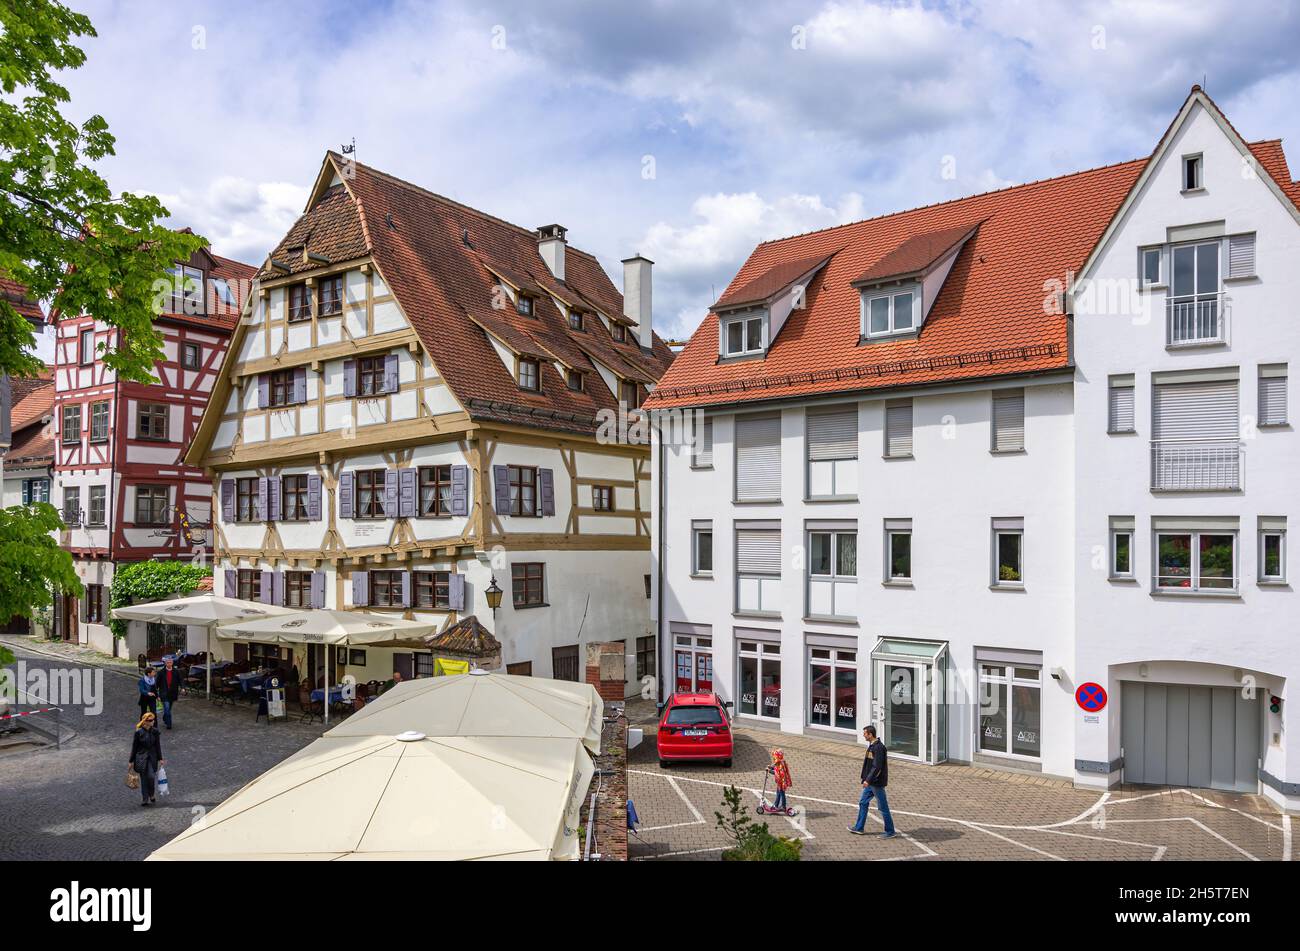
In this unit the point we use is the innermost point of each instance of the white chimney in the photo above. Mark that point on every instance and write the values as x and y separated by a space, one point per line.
550 245
636 297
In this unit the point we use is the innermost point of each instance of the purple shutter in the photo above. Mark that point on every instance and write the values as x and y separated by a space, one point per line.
390 373
360 588
227 500
390 493
501 487
274 492
268 587
300 384
313 498
546 478
456 592
277 588
345 495
349 377
232 583
406 492
262 508
263 391
460 490
406 589
404 664
318 589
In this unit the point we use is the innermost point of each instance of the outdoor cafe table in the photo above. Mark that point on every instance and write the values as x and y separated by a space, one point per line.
336 694
203 668
251 680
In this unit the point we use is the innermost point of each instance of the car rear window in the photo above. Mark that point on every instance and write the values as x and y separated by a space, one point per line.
691 715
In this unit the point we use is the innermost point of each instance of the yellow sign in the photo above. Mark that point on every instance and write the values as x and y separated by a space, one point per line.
442 667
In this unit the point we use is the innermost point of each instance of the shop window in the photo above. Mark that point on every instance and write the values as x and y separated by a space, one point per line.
833 688
692 664
760 679
1011 710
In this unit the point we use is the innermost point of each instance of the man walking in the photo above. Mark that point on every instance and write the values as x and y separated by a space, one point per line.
169 689
875 776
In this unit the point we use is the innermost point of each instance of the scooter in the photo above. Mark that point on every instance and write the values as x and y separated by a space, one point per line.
764 808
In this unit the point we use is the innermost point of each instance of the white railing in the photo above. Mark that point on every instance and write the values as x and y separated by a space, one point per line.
1196 464
1197 319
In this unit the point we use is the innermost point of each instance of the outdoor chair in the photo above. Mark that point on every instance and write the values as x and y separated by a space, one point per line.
311 709
226 691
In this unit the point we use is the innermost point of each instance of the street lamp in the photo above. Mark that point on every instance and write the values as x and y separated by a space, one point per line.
493 594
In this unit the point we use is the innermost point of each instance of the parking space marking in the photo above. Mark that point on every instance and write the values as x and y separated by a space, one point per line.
697 821
1200 825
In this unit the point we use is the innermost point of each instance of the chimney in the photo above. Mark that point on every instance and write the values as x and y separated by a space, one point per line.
550 245
636 297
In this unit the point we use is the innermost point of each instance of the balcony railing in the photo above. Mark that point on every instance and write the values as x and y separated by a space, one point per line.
1195 465
1198 319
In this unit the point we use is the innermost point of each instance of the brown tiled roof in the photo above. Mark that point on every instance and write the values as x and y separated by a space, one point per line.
772 281
916 254
33 399
18 297
31 446
330 229
466 637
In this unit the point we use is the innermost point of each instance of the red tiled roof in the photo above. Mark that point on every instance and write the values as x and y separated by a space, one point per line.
772 281
18 297
32 399
218 315
916 254
1272 159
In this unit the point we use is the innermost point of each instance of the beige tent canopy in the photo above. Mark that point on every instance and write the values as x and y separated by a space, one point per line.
326 627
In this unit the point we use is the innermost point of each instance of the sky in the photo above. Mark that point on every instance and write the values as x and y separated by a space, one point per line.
684 130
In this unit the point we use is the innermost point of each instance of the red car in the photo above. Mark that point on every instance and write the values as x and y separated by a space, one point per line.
694 726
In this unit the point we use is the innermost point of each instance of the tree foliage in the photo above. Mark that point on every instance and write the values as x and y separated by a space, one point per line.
32 566
151 581
753 842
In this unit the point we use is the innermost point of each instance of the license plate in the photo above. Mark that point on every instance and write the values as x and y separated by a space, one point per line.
695 732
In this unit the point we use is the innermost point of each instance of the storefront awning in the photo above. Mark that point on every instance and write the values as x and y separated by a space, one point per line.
908 651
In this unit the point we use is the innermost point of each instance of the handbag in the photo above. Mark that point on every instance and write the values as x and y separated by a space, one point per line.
132 778
163 788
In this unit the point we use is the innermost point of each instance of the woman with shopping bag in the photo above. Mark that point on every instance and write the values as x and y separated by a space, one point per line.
146 756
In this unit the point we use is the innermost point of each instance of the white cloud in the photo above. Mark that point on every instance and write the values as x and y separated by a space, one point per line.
243 220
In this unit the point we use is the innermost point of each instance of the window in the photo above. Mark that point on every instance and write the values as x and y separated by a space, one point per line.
97 515
898 429
293 494
433 589
87 347
370 376
527 583
833 688
95 603
386 589
529 374
151 421
297 589
524 305
629 394
72 505
1272 395
187 289
1192 172
618 332
370 493
893 312
1120 416
760 679
1272 549
1008 544
574 380
602 498
1009 421
523 490
702 548
423 665
36 490
758 458
898 550
832 439
299 302
1011 710
263 656
743 336
833 574
1196 561
645 657
279 388
564 663
1151 259
758 569
522 669
191 356
249 584
1121 548
221 292
99 421
692 664
151 505
435 491
71 428
1241 255
248 506
330 296
702 451
1193 305
575 319
1194 435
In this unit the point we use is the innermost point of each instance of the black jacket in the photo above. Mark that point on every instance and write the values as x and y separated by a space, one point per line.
169 690
875 765
146 750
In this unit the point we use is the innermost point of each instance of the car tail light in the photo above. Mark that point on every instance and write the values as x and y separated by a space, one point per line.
723 729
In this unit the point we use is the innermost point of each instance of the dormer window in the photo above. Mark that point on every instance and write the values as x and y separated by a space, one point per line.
619 332
575 380
1193 172
187 293
742 336
885 313
629 394
575 319
524 305
299 302
530 374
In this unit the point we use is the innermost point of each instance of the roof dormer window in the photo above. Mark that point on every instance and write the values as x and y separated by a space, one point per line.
1193 172
891 312
187 289
575 319
530 374
619 332
743 336
524 305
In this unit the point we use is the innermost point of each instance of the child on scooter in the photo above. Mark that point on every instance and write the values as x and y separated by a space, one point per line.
781 773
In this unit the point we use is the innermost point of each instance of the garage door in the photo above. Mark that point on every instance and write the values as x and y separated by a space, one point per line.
1177 735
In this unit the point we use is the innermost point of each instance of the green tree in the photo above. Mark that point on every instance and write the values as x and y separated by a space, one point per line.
31 562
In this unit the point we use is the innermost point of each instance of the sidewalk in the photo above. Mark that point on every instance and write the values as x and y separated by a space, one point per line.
77 653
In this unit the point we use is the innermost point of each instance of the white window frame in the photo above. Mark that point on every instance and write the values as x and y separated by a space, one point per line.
1120 381
698 530
897 527
910 405
1195 586
835 579
761 651
893 293
838 492
835 659
1005 394
761 610
1010 681
1265 533
1008 527
1199 159
1159 252
1273 371
1114 572
745 320
700 458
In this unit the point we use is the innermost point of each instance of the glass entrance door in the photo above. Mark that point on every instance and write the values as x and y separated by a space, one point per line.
901 687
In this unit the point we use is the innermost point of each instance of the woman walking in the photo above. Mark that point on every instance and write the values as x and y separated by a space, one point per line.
146 756
148 685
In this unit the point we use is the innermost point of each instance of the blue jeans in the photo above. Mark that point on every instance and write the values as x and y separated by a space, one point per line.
780 799
167 712
878 792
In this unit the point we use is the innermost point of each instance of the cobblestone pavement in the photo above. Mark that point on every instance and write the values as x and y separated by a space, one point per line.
73 803
943 812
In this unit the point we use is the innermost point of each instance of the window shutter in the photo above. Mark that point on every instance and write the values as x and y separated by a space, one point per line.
300 384
273 497
1122 419
898 428
1193 411
84 606
406 589
456 592
460 490
390 373
313 498
349 377
360 588
27 491
704 449
318 589
1272 396
1241 255
758 551
263 391
546 489
346 495
758 458
501 489
1009 421
406 491
227 500
833 435
263 512
232 583
268 587
390 493
277 588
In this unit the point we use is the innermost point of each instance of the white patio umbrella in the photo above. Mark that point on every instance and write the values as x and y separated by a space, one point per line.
200 610
483 703
403 797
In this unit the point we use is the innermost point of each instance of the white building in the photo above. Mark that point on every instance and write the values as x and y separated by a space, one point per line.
882 477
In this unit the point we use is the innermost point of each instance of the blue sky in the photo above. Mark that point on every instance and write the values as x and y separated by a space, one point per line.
687 131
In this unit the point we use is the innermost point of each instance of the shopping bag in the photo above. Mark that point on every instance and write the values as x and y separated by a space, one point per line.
163 788
132 778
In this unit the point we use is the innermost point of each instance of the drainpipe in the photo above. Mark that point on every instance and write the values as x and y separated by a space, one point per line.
660 574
